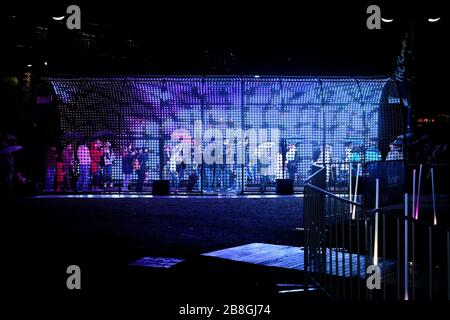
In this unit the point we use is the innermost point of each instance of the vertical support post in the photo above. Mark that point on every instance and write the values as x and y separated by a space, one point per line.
202 115
366 249
418 192
413 259
358 258
430 264
406 297
448 265
324 129
161 131
350 249
432 195
358 169
242 140
414 195
383 222
283 157
350 188
375 241
399 268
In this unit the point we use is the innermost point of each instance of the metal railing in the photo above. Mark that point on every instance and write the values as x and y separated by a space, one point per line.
410 259
333 242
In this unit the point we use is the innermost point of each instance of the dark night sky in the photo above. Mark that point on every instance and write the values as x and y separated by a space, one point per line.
277 37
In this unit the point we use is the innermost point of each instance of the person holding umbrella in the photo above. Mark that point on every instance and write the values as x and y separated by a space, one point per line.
50 168
68 159
96 158
6 171
141 171
108 159
127 166
7 140
84 159
59 173
7 168
395 151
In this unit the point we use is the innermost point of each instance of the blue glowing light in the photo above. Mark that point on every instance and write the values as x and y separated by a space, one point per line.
145 110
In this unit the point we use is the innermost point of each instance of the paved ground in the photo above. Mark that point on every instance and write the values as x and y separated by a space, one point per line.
103 235
42 236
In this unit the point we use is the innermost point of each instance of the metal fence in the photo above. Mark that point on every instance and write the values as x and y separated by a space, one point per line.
318 120
348 249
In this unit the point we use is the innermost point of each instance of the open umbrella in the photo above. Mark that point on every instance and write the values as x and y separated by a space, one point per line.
355 141
103 134
10 149
406 136
7 138
184 135
73 135
401 138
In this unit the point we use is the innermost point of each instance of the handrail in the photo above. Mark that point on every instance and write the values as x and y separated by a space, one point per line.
412 220
315 173
308 185
331 241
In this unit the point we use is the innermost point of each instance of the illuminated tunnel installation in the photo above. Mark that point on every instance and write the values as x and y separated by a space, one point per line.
126 126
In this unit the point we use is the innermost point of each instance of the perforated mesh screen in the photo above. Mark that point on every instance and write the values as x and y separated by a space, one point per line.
317 118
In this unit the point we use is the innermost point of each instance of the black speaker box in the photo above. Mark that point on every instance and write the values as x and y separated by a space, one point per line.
160 188
285 186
